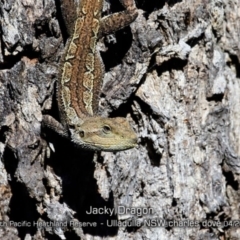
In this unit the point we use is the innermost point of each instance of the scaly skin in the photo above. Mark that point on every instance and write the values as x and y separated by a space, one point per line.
81 80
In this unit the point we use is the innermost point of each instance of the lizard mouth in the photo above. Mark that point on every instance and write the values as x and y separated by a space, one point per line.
131 144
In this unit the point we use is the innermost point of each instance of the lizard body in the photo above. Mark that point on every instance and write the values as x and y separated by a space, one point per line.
81 78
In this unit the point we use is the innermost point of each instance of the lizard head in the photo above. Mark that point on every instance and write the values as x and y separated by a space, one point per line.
105 134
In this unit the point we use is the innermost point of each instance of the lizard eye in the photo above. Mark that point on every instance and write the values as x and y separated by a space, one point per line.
106 129
81 133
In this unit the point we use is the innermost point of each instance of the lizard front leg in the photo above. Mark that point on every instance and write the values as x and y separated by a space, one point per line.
119 20
52 123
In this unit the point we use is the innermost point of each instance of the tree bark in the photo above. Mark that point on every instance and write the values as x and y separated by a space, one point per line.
174 74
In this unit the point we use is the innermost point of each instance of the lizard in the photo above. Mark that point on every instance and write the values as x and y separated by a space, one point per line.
80 82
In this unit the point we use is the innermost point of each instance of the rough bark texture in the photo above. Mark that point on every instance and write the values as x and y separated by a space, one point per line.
175 74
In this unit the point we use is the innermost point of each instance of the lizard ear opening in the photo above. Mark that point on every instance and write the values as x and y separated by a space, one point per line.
81 133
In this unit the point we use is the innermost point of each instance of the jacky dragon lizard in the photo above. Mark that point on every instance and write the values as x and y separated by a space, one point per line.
81 78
